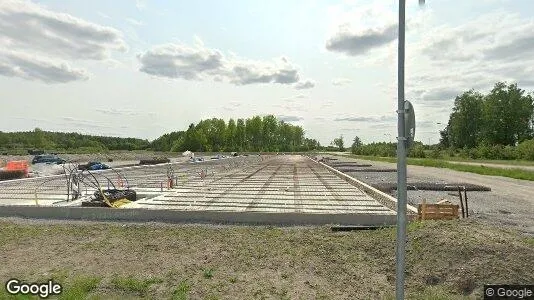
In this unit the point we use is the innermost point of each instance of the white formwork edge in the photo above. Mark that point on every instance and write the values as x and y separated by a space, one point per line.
365 187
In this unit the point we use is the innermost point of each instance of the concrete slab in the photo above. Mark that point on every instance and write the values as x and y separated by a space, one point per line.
266 186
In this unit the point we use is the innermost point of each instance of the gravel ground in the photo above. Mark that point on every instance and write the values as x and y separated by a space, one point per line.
509 203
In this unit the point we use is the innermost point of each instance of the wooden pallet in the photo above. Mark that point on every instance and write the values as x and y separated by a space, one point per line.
437 211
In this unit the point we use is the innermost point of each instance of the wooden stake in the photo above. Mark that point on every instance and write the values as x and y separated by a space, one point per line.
424 209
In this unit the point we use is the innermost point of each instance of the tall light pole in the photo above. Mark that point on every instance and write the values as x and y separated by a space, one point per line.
401 161
401 158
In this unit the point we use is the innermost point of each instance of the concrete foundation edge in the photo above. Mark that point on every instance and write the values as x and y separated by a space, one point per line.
178 216
383 198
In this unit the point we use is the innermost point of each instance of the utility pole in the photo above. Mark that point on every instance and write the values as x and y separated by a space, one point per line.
401 161
401 158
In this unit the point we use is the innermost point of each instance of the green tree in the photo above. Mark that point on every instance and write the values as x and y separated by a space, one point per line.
508 115
338 142
230 144
240 137
255 133
356 145
466 120
270 132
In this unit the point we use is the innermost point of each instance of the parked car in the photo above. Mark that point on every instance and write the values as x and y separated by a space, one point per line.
196 159
48 159
93 165
98 166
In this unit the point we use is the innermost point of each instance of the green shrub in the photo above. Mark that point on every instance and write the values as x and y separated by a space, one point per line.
525 150
436 153
509 152
417 151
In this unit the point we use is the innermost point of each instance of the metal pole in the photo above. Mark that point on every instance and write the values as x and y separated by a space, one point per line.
401 162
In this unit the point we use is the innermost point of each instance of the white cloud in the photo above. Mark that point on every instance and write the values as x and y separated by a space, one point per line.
232 106
292 107
140 4
306 84
201 63
103 15
135 22
494 47
373 119
289 118
29 26
38 38
20 64
358 29
341 81
360 42
293 98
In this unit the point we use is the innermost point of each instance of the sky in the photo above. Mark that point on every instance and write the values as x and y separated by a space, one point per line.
141 68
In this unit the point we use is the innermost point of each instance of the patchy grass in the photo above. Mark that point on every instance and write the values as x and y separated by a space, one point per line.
80 287
208 273
445 260
438 163
134 285
182 291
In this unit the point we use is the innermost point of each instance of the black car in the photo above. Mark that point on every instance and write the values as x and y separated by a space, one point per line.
48 159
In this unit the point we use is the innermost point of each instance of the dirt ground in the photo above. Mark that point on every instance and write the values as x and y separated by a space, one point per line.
445 260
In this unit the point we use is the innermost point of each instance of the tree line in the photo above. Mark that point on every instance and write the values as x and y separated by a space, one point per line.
504 116
21 142
496 125
257 133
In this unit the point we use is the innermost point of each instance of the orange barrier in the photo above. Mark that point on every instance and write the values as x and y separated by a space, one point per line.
18 165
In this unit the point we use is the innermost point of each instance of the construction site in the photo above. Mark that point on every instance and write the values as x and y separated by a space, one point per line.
271 189
256 227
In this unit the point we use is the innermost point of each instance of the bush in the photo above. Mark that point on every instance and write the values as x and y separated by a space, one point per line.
525 150
490 152
378 149
417 151
436 154
509 152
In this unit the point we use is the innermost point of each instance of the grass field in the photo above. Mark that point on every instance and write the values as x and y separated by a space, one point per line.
439 163
445 260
